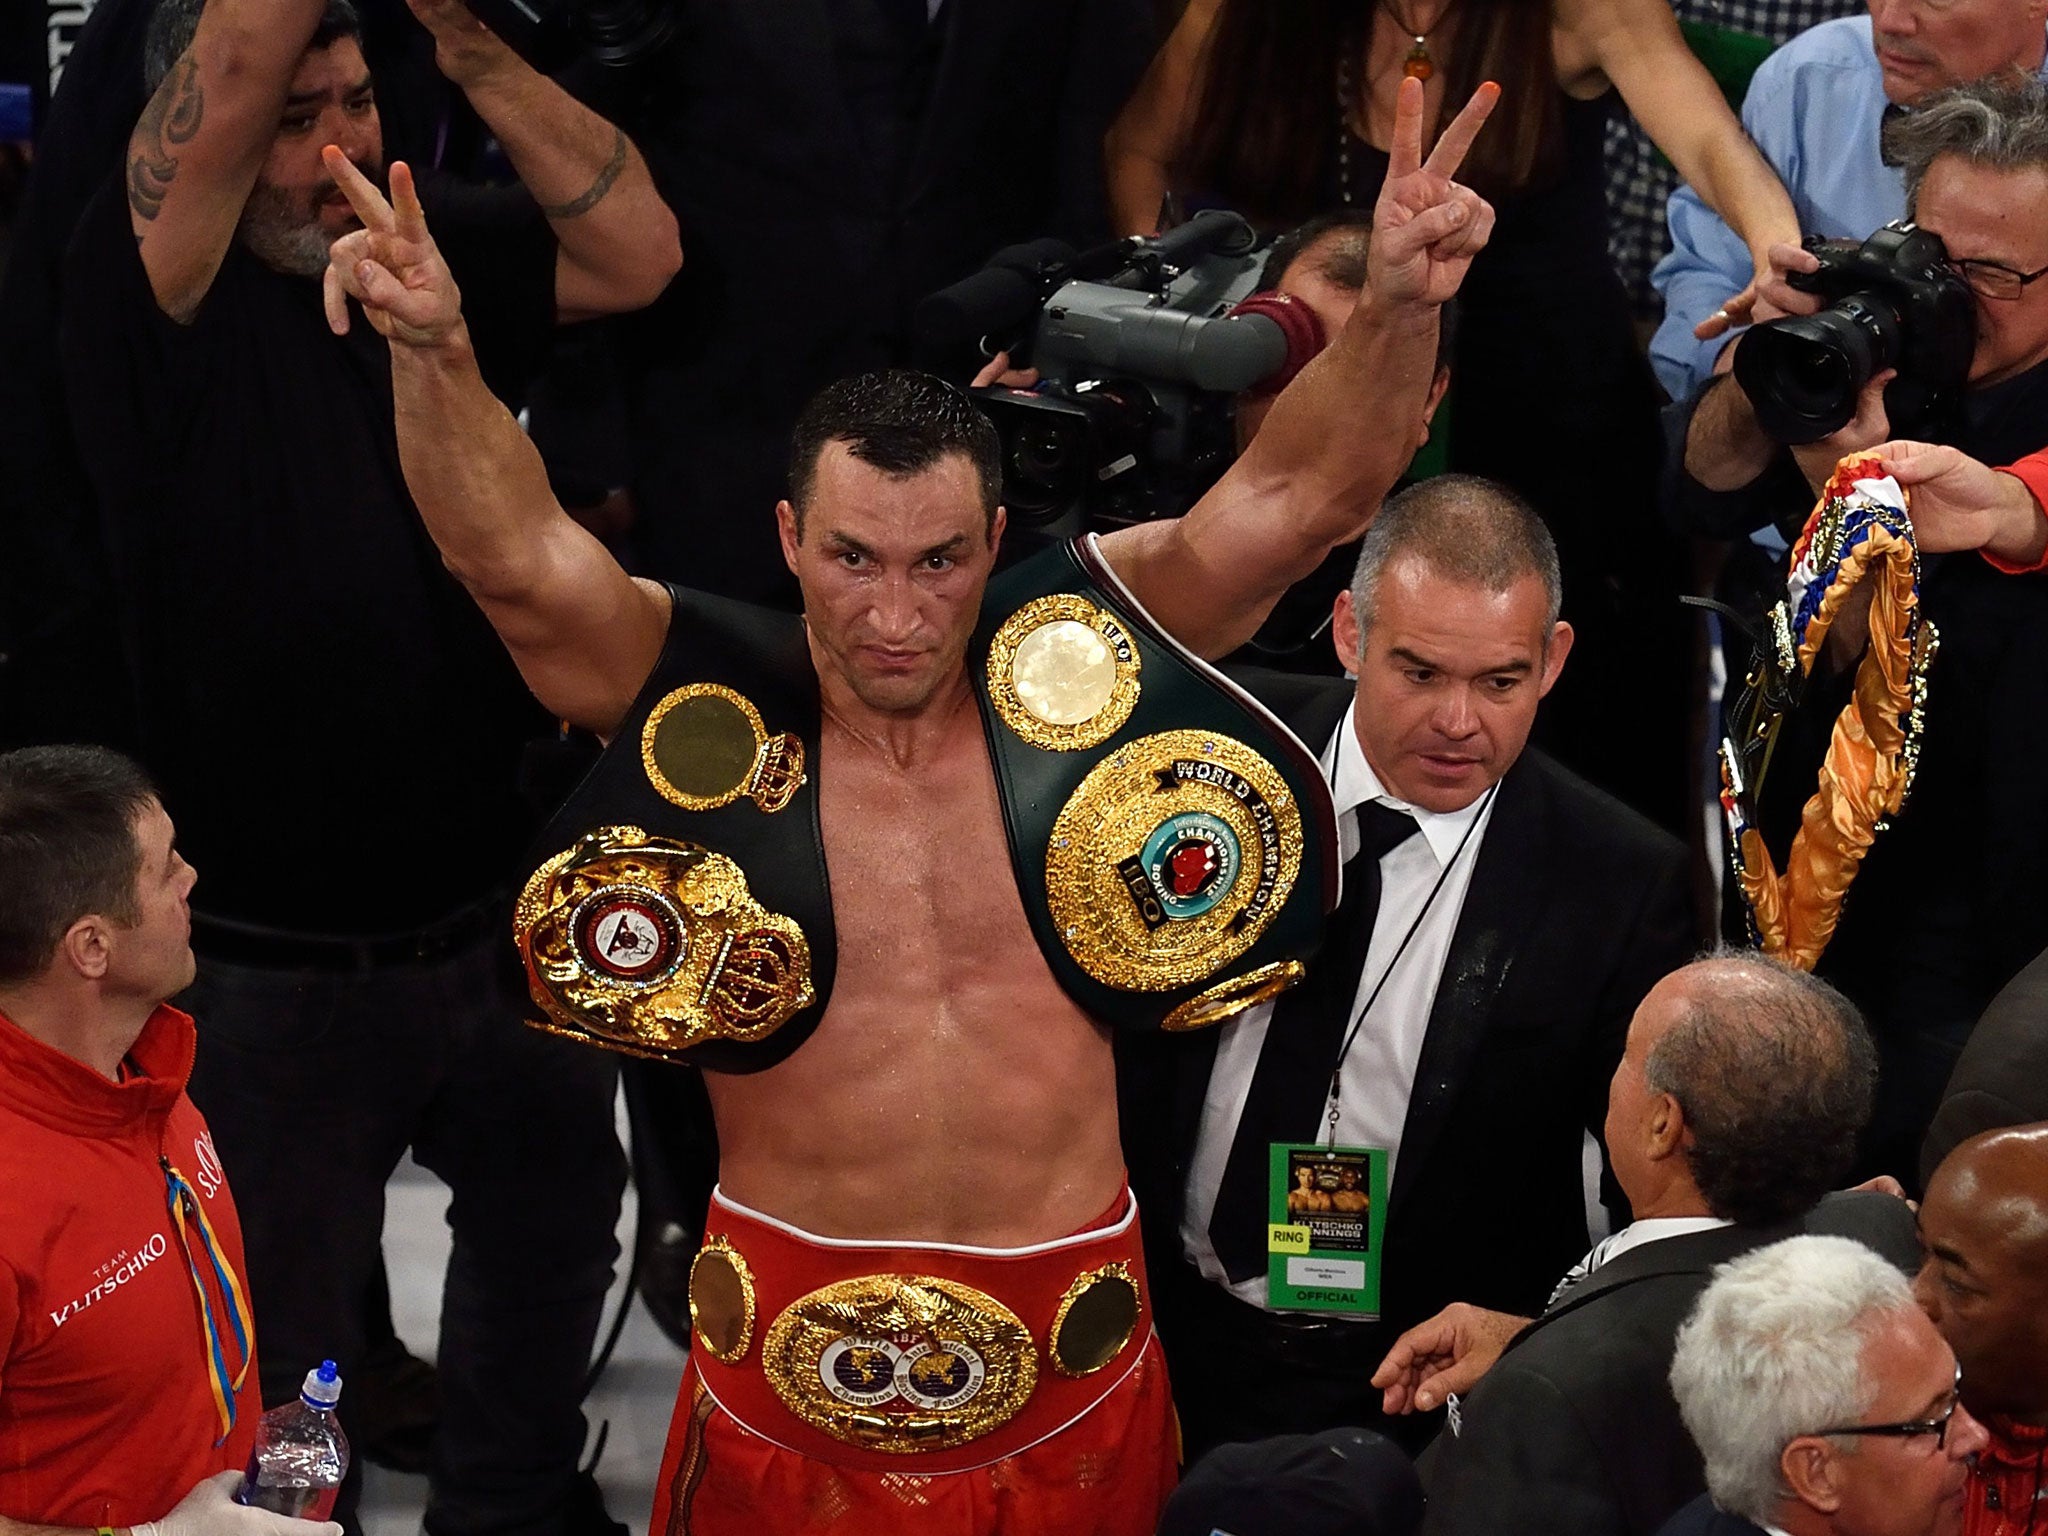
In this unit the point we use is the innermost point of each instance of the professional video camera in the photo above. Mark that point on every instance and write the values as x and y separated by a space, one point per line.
553 34
1893 302
1139 346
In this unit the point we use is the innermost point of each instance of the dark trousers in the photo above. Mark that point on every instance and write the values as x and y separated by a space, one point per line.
314 1084
1242 1373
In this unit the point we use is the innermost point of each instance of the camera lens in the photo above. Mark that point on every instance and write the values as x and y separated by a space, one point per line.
1802 374
1043 473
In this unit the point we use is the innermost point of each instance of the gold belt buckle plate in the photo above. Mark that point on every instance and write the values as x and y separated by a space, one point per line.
900 1363
652 945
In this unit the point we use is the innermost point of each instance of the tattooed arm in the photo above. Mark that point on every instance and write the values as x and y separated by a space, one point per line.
199 144
618 240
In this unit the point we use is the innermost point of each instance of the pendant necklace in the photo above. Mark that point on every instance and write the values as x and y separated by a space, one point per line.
1418 65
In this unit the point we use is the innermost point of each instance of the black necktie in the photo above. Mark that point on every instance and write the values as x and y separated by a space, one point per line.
1291 1083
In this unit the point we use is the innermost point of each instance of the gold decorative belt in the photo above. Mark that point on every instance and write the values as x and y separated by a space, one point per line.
874 1353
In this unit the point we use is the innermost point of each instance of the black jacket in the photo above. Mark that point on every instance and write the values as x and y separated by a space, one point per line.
1574 1432
1577 907
1701 1518
825 181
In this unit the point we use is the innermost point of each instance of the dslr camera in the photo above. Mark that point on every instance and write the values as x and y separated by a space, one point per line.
1893 302
1140 346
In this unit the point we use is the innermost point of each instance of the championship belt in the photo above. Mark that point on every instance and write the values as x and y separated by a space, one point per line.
1174 843
680 908
917 1357
1859 533
650 946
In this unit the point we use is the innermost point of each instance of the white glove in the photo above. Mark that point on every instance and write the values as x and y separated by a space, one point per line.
210 1510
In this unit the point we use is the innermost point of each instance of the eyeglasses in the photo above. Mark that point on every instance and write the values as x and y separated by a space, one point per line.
1913 1427
1995 280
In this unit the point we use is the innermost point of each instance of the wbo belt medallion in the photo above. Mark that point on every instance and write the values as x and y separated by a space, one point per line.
704 746
900 1363
650 945
1171 859
1063 673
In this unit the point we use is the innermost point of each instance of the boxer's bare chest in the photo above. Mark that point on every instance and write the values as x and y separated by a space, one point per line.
950 1068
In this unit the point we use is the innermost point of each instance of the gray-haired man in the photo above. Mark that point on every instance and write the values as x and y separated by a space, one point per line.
1823 1400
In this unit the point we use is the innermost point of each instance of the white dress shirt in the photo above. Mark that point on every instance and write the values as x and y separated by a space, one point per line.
1649 1230
1378 1073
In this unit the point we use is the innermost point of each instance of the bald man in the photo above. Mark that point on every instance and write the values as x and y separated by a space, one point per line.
1984 1281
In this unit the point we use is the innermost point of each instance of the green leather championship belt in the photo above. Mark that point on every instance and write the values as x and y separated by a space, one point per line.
1174 843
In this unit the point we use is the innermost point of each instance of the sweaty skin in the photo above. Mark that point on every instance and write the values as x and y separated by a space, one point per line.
952 1092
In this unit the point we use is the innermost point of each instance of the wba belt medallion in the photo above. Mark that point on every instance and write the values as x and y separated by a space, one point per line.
1063 673
650 945
1171 859
900 1363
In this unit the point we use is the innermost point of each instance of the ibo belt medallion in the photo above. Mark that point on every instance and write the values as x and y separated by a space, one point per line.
1063 673
901 1363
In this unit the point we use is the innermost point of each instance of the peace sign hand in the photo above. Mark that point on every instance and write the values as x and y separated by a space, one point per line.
1427 228
391 265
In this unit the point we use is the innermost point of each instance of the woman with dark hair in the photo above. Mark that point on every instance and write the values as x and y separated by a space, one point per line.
1279 109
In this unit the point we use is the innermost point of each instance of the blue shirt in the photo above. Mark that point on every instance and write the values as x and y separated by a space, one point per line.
1814 108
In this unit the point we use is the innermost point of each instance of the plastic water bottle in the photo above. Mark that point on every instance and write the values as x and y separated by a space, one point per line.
301 1455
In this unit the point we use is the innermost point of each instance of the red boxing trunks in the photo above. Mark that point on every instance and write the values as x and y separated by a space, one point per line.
839 1386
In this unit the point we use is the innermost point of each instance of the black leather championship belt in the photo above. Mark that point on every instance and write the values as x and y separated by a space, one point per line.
1174 844
682 909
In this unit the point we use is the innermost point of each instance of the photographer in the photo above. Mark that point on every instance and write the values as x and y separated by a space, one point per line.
1957 877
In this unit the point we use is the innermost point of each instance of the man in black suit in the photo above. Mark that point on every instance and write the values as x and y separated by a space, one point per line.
1824 1400
1489 955
1735 1108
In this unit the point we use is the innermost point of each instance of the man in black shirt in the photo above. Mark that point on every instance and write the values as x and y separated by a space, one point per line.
334 714
1949 904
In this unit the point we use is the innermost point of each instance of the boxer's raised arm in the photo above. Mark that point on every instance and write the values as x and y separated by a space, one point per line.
582 632
200 142
1335 441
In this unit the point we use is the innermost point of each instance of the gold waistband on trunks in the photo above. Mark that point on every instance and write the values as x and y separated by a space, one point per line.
863 1354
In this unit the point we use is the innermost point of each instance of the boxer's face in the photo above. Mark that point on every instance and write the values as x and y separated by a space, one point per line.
892 569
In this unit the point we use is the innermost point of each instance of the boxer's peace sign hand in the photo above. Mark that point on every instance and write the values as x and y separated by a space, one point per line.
1427 228
390 266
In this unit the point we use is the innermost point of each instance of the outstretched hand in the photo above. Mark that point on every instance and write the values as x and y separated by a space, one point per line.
1446 1354
1427 228
390 266
1770 294
1959 503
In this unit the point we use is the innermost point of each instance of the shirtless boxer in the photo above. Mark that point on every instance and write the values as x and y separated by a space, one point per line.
954 1105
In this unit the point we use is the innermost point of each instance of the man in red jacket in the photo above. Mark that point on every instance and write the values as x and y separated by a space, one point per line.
127 1355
